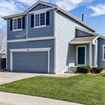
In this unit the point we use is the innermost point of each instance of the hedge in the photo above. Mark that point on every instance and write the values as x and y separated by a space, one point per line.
83 69
97 69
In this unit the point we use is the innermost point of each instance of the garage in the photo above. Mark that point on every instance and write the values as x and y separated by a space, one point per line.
30 61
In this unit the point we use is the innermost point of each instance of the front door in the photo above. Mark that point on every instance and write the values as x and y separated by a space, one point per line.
81 56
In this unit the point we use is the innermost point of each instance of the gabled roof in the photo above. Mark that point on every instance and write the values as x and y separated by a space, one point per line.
41 2
55 7
84 39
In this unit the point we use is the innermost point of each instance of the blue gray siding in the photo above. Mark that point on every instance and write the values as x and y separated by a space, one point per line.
36 44
30 62
40 6
43 31
65 32
12 35
101 42
81 33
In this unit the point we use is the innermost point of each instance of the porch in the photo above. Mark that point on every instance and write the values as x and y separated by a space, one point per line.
83 52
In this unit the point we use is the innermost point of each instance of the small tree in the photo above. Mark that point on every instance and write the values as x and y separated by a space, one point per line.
2 42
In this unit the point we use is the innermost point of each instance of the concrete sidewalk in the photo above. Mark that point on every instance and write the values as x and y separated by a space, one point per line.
17 99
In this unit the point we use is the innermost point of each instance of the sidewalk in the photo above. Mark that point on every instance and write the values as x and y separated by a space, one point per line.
17 99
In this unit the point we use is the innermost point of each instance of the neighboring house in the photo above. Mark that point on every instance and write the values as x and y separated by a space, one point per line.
47 39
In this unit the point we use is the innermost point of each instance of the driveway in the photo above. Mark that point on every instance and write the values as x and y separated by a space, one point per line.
6 77
17 99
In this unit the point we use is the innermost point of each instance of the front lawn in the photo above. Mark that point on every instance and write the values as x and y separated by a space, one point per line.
83 88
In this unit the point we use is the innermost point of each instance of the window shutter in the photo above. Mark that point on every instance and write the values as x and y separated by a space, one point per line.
47 18
32 20
19 23
11 24
23 22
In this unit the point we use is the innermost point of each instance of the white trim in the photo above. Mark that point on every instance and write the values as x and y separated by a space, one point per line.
90 54
18 40
40 2
81 42
17 24
32 39
55 42
39 26
103 53
41 38
29 50
95 55
84 30
93 42
40 11
77 55
6 43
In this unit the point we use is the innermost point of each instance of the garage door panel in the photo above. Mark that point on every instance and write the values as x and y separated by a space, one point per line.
30 62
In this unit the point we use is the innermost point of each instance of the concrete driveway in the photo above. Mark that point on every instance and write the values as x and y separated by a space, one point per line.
6 77
18 99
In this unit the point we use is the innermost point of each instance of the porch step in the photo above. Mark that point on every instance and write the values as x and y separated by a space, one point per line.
71 70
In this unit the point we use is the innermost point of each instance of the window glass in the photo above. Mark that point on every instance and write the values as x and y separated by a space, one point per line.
15 23
42 19
37 20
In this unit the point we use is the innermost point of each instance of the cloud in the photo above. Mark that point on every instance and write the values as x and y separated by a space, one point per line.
71 4
98 10
27 2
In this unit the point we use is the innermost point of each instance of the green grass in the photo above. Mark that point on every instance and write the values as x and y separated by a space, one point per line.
79 89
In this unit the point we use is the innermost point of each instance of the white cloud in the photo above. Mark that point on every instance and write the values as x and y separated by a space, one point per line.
27 2
98 10
71 4
8 8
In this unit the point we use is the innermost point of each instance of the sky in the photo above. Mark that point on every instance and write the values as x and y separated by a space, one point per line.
93 10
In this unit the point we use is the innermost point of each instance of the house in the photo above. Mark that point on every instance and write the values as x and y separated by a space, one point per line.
47 39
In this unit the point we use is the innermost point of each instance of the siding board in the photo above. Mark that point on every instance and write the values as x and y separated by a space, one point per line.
65 32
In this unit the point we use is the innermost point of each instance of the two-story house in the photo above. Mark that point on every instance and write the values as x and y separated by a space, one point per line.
47 39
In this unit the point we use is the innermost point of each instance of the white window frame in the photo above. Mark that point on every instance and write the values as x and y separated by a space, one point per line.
77 55
103 53
39 20
17 24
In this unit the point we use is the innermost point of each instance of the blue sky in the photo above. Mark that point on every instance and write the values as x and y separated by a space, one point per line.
94 10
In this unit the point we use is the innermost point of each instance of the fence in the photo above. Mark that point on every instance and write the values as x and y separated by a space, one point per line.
2 63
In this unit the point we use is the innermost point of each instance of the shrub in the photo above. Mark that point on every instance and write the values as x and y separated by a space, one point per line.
97 69
83 69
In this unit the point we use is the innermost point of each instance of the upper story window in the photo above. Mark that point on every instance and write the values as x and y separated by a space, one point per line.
40 20
104 52
17 24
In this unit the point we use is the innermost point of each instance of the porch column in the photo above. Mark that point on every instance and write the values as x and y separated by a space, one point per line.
95 57
90 54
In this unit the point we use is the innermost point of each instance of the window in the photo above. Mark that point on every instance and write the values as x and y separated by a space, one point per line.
104 52
39 20
17 23
42 19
